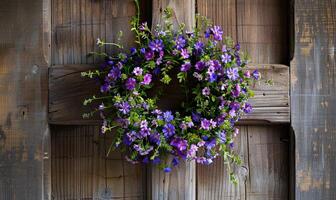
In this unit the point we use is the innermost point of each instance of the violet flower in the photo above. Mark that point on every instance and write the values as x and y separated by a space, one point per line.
156 45
256 74
226 58
217 33
184 53
130 83
168 130
168 116
232 73
206 91
137 71
147 79
185 67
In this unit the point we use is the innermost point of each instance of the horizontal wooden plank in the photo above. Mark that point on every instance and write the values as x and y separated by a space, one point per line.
67 91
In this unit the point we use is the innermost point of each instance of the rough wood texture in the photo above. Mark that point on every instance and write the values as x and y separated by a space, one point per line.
184 12
260 26
313 77
68 90
81 169
263 174
23 98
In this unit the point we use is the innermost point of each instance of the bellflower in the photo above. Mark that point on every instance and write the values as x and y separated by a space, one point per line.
168 116
217 33
180 42
206 91
226 58
256 74
184 53
205 124
185 67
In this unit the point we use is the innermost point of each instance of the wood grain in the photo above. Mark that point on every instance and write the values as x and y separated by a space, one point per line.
260 26
23 98
313 97
81 169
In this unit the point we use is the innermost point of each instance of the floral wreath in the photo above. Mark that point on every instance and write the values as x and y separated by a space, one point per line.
212 74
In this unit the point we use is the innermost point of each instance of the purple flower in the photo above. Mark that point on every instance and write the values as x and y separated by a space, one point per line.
256 74
232 73
156 45
207 33
199 46
175 161
247 74
124 107
145 160
184 53
205 124
212 77
143 124
149 55
157 71
237 47
143 50
196 117
167 169
130 83
237 91
180 42
232 113
155 138
200 65
144 132
143 26
185 67
247 108
147 79
168 130
206 91
114 73
105 88
224 48
217 33
192 151
211 144
222 137
168 116
156 160
137 71
101 107
133 50
226 58
179 143
198 76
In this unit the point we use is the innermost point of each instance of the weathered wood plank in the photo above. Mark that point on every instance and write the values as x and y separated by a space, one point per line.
313 97
268 162
23 98
81 169
213 180
68 90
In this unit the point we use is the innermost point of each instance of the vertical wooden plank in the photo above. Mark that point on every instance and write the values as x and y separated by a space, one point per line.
263 30
268 162
313 76
181 182
222 13
23 98
213 180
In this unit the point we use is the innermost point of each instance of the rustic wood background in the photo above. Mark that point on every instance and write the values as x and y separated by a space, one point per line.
69 160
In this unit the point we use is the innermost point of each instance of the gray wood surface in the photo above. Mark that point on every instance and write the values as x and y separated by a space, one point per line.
313 97
263 173
68 90
81 168
24 60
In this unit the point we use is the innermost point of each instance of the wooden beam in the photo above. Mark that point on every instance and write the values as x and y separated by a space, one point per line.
68 91
313 91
